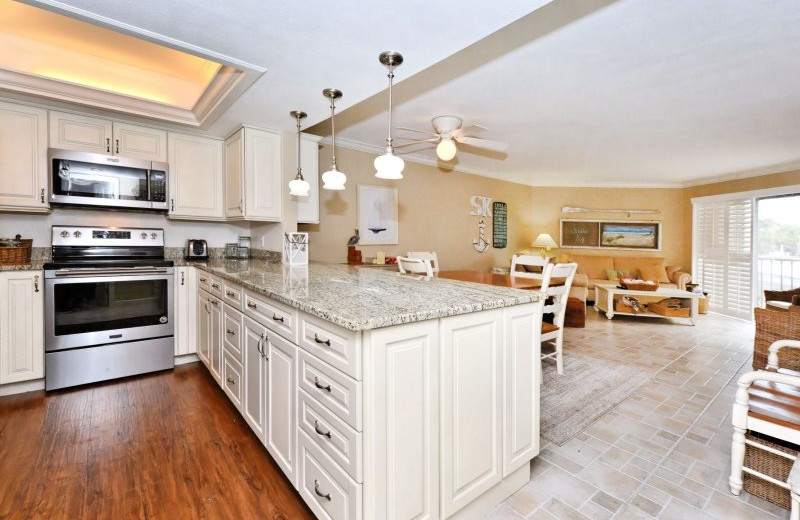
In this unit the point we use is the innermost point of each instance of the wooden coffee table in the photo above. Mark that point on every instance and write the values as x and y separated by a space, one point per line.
605 294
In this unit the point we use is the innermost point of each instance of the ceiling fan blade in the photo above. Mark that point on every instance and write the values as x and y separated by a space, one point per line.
486 144
470 131
415 130
432 140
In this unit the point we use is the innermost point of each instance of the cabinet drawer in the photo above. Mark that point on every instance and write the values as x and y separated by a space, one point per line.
333 435
232 295
329 492
232 379
232 332
210 283
335 345
277 317
338 392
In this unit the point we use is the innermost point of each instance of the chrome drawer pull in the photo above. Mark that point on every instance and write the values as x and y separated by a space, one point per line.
320 432
231 380
215 303
322 341
231 332
277 318
215 285
252 305
326 496
203 279
230 294
319 385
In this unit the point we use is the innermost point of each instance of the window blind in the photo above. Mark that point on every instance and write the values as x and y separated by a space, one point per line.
723 254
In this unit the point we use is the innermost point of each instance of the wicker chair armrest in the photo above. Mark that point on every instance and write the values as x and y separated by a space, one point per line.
772 357
681 278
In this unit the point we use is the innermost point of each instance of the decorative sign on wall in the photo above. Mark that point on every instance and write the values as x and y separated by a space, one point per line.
608 234
499 225
377 215
480 209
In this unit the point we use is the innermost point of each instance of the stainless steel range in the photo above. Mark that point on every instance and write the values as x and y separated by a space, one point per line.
108 305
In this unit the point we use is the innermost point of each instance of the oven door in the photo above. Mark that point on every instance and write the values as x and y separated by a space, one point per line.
106 306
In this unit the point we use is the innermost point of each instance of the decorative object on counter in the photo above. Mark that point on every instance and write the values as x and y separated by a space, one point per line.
388 165
295 248
299 187
353 240
15 250
353 255
545 243
380 258
377 215
231 250
570 209
481 210
244 247
295 280
608 234
333 179
499 225
196 249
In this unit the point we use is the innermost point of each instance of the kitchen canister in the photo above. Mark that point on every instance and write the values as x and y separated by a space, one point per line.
295 248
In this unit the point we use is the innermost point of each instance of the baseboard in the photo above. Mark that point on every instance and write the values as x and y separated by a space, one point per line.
21 388
186 358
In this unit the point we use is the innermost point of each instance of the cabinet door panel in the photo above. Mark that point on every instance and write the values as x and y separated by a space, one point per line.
263 181
204 328
234 195
471 407
281 429
255 389
308 207
85 134
215 338
23 157
401 404
195 177
21 326
140 142
185 311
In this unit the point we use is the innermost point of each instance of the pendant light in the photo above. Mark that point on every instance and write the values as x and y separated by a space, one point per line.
299 187
388 165
333 179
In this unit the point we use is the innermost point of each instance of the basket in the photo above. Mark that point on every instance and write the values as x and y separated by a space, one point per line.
671 312
16 254
638 286
770 464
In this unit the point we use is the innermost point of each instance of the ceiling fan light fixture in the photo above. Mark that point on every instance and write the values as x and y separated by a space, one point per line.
333 179
299 187
446 149
388 165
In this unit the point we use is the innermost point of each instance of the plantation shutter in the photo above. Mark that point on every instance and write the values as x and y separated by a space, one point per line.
723 254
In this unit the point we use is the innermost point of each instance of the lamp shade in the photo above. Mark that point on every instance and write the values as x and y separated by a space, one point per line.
299 187
333 179
446 149
389 166
544 240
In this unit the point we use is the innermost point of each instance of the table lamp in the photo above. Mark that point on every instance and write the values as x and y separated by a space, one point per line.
544 242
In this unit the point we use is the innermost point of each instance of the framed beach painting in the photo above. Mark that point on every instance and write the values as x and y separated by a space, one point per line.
377 215
630 235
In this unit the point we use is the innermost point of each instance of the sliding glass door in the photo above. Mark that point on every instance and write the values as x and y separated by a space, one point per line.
777 244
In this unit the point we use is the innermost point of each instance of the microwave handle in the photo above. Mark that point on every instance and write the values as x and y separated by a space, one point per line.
149 180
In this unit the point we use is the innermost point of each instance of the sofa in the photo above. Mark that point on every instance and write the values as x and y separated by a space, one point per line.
596 268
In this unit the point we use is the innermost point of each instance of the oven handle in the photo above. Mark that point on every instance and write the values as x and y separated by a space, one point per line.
66 273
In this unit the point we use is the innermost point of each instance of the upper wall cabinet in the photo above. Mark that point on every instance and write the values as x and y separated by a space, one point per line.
97 135
196 187
308 207
23 158
253 175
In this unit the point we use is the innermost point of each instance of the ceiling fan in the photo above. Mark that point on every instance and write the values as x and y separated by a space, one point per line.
448 132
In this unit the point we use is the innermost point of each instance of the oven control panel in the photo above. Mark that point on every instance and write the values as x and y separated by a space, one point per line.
99 236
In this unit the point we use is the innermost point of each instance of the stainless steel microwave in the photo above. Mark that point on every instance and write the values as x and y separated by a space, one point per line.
91 179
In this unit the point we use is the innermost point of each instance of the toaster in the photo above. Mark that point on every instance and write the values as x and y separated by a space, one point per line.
197 249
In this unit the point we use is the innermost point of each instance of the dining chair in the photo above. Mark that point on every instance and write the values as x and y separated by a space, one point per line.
556 294
524 261
430 256
414 266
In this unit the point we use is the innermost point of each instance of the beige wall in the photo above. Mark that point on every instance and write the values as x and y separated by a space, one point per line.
434 209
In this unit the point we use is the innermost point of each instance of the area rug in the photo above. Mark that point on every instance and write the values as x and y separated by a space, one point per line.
589 388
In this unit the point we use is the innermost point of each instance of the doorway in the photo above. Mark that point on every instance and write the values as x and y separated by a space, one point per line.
777 247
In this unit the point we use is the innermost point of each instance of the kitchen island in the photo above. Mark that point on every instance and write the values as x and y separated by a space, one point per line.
379 395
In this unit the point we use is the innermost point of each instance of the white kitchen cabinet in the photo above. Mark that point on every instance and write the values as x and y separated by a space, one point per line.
81 133
185 310
195 177
204 328
215 338
21 326
281 426
308 207
254 359
471 419
23 158
254 176
401 400
139 142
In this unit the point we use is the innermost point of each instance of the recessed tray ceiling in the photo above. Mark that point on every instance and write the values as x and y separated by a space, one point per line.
48 53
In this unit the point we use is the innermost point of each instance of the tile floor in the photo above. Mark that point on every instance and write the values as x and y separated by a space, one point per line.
664 451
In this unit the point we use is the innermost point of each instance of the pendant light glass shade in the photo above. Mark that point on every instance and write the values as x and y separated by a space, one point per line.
333 179
388 165
298 187
446 149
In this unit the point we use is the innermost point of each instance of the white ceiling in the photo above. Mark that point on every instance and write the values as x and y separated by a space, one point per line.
310 45
640 92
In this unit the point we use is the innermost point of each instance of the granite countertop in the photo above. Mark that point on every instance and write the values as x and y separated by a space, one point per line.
361 299
33 265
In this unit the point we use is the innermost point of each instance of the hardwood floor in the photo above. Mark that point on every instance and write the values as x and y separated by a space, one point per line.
165 445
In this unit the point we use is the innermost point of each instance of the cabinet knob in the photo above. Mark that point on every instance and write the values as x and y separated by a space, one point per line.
231 380
326 496
230 293
319 430
215 285
322 341
252 305
319 385
278 318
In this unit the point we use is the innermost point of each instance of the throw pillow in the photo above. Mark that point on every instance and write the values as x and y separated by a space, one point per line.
612 275
631 274
656 273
